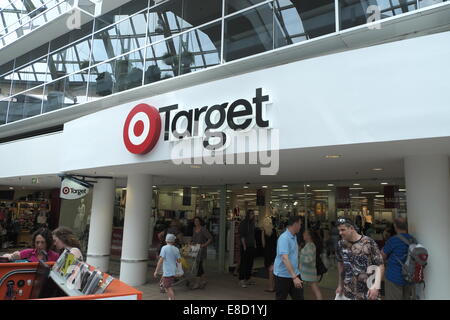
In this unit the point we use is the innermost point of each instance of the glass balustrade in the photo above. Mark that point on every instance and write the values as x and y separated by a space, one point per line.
136 45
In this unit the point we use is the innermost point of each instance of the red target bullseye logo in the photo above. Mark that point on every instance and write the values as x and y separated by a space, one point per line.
65 190
142 129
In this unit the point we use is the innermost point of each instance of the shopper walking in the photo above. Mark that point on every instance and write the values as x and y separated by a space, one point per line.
308 258
287 274
395 253
332 244
248 248
65 238
168 259
269 242
357 257
202 237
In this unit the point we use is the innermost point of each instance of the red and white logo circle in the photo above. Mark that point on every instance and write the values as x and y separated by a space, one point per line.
65 190
142 129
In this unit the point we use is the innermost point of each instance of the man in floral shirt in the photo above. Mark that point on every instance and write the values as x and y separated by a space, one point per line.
360 264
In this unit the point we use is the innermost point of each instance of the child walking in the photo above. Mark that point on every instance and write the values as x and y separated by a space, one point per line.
168 258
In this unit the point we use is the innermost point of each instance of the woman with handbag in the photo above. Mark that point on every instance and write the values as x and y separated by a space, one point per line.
308 259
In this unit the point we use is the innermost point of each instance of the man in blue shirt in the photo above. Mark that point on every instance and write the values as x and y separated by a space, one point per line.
287 274
394 251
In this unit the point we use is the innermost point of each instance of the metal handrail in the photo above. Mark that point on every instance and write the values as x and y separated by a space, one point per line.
30 22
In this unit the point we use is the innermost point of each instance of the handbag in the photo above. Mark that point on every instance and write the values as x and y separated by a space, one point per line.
179 272
321 269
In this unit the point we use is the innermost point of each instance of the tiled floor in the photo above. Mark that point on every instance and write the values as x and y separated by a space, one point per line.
224 287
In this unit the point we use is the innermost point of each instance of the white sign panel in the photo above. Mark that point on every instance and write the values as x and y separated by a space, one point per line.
72 190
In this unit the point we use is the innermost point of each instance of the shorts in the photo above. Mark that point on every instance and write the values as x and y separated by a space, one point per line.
167 282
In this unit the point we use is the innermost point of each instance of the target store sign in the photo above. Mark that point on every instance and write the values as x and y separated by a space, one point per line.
142 129
72 190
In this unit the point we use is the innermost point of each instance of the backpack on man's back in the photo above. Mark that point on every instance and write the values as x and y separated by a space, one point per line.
416 261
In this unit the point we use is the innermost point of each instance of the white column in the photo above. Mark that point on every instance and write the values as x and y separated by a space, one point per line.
222 228
133 266
427 192
332 206
100 230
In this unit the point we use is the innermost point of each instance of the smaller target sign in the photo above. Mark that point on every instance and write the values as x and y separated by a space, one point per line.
142 129
71 190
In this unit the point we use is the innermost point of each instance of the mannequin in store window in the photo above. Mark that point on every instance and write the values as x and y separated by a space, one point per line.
79 222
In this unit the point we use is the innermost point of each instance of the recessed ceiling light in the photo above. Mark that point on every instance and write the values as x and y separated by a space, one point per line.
154 186
284 186
379 196
264 186
331 185
377 169
245 187
308 185
333 156
321 190
384 183
11 188
402 190
356 184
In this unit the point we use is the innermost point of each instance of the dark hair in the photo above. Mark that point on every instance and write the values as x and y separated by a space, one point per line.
293 219
347 222
249 211
202 222
67 237
316 240
46 234
401 224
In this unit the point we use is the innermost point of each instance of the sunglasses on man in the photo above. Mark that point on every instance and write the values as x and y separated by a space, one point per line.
341 221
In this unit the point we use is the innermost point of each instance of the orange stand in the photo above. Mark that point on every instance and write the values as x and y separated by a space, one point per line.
24 274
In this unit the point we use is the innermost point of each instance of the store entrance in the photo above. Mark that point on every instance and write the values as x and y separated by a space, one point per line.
372 205
174 207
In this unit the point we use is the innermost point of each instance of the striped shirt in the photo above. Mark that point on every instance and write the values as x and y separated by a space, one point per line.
307 265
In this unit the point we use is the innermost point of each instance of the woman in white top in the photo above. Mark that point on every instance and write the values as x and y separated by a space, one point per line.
307 259
64 238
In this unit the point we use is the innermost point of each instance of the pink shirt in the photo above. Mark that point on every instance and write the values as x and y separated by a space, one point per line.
30 255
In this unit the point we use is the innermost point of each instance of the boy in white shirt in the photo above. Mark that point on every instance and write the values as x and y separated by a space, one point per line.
169 257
